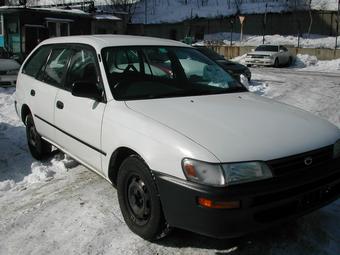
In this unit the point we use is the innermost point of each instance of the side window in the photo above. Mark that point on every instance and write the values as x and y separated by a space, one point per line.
36 62
123 60
56 66
82 68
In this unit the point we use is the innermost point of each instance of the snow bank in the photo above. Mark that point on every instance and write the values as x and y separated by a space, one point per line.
312 41
40 172
18 170
311 63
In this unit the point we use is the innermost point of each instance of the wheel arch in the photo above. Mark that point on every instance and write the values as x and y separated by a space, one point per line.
116 159
25 110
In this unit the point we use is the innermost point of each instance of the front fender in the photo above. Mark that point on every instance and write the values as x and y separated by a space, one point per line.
161 147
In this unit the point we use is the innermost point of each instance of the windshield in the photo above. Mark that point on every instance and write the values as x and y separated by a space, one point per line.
149 72
267 48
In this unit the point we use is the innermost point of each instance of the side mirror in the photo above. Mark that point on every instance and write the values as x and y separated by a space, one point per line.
86 89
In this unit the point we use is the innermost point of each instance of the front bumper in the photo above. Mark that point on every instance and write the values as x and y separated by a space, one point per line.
8 80
263 203
260 61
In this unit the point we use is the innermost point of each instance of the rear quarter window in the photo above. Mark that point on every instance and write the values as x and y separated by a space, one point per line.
36 61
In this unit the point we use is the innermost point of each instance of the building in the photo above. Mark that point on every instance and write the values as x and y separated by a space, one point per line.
22 28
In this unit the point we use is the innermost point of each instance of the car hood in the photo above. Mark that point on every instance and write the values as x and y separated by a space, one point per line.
8 64
268 53
240 126
232 65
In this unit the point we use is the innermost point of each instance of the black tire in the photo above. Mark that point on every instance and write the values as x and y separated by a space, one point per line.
277 63
39 148
139 201
290 61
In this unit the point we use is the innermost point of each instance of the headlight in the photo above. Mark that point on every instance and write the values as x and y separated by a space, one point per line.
246 172
202 172
336 149
224 174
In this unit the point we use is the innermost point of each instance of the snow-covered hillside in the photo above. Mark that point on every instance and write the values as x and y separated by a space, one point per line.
159 11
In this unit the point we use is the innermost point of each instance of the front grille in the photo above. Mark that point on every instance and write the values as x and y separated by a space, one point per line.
259 56
5 83
296 163
305 203
293 192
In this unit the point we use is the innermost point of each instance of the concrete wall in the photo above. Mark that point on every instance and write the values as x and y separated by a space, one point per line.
235 51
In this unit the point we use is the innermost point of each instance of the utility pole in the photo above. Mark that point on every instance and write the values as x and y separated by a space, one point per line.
337 27
232 30
146 12
264 23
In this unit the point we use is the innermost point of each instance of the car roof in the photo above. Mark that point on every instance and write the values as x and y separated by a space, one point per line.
102 41
269 45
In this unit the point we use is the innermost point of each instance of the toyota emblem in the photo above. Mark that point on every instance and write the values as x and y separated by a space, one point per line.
308 161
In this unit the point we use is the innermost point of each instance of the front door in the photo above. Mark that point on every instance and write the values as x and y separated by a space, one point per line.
79 119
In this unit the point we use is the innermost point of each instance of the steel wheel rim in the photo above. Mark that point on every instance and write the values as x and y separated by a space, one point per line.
138 200
32 136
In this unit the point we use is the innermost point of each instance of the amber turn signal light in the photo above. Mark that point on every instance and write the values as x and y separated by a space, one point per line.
208 203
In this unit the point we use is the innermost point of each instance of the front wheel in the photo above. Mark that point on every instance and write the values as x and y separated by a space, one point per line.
39 148
290 61
277 63
139 201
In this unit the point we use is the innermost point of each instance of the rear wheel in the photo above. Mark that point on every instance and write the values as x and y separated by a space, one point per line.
276 63
139 200
39 148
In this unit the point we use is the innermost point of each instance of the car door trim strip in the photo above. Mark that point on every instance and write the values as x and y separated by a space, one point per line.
75 138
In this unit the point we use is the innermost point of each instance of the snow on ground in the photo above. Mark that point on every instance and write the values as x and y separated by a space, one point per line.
311 41
59 207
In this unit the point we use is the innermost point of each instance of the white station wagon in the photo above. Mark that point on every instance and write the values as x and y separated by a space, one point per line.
185 144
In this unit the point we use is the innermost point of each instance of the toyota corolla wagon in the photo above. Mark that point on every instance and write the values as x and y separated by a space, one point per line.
185 144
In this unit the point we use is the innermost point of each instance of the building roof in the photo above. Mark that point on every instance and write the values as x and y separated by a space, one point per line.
102 41
11 9
105 17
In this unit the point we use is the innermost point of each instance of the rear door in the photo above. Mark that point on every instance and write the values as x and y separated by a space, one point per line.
79 119
40 92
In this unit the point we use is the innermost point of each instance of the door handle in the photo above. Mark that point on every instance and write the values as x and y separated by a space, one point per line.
60 105
32 92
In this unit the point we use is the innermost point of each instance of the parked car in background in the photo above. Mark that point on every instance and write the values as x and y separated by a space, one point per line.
235 69
270 55
185 144
8 70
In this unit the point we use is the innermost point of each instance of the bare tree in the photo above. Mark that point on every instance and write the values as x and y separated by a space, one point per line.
127 6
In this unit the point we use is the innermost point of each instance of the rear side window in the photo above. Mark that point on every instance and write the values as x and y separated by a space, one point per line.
82 68
36 62
56 67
